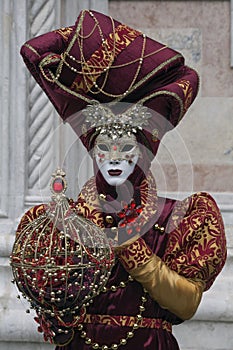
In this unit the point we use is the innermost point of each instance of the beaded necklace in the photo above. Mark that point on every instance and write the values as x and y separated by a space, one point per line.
129 334
89 71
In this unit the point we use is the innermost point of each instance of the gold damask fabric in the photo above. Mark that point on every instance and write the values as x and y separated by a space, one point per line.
172 291
89 203
194 256
32 214
102 58
197 244
195 252
65 32
127 321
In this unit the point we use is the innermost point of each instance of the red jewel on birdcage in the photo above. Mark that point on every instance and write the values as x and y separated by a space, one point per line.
58 185
129 214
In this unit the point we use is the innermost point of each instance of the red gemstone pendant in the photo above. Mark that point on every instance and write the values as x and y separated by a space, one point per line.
58 185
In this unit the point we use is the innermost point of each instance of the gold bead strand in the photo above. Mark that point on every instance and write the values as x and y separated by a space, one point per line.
122 341
111 60
160 228
118 97
99 67
122 284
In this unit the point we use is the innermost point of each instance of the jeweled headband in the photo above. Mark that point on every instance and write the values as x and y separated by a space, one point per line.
114 125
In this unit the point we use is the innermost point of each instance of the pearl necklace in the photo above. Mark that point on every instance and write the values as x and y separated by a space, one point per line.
92 71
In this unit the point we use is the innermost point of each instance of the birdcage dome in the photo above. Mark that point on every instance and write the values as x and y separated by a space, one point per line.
60 260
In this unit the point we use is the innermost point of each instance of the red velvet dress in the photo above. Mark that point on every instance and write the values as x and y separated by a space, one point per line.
192 244
184 241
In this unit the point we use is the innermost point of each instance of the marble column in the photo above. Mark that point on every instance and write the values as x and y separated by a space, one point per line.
33 142
231 33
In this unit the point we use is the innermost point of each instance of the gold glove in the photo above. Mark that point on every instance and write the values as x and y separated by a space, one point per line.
176 293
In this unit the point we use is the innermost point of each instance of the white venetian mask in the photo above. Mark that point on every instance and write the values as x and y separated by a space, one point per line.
116 159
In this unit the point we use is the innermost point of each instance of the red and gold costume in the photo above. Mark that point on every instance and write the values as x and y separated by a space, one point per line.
158 279
159 274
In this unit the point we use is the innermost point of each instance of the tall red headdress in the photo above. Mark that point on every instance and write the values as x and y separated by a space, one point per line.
102 60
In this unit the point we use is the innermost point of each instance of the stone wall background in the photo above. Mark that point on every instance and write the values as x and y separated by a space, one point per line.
197 155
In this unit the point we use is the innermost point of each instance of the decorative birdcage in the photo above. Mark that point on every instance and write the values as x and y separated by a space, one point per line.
60 260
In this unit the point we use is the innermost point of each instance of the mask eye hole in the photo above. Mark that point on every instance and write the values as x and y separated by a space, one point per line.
103 147
127 148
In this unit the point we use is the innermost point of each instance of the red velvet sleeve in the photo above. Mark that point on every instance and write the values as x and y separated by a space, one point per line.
197 245
194 256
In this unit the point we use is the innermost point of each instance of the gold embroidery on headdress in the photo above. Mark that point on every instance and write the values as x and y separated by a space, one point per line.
187 91
102 59
64 32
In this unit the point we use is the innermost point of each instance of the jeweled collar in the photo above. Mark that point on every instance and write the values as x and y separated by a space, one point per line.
91 204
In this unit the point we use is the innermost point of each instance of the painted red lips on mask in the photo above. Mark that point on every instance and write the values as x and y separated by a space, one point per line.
114 172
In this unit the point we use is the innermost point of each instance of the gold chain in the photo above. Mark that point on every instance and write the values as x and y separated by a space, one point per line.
100 89
63 58
129 334
122 284
86 68
111 57
103 67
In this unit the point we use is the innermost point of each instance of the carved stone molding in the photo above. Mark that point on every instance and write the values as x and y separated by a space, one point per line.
42 150
231 33
12 121
50 145
4 120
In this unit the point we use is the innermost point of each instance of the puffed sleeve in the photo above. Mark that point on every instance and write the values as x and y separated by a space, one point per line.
194 256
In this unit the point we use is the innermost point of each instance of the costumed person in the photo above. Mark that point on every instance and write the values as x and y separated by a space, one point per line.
121 92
